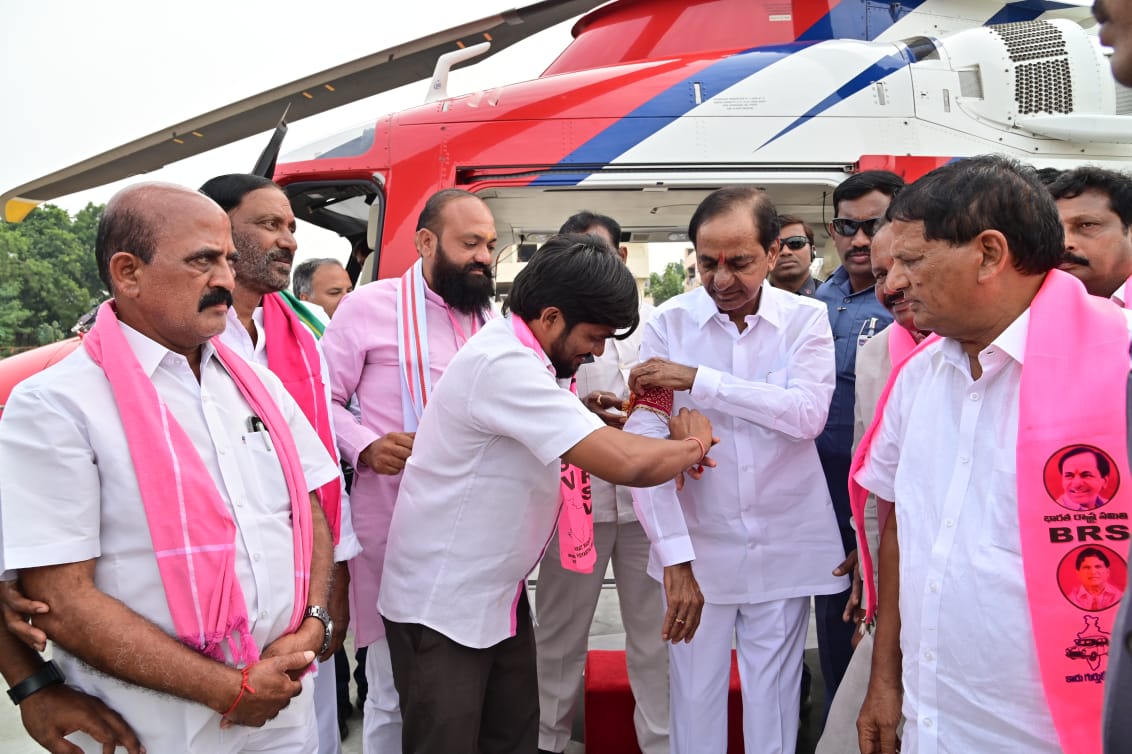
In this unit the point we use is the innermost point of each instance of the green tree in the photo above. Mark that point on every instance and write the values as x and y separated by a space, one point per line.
664 287
48 275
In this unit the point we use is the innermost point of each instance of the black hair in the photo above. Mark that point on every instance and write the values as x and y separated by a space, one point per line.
229 190
123 228
1116 186
721 201
580 276
1048 175
584 220
784 220
962 199
430 215
302 277
866 182
1092 552
1103 466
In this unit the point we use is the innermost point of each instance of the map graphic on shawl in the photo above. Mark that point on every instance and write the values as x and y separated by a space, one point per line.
1081 477
1092 577
1091 644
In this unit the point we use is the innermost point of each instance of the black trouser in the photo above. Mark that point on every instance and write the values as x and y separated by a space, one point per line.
459 700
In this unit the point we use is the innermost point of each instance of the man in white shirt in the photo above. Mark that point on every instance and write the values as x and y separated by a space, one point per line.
321 283
497 446
759 362
76 526
566 600
975 243
1095 206
263 228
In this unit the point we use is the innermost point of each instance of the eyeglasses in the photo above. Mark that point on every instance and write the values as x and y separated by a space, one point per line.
849 228
795 243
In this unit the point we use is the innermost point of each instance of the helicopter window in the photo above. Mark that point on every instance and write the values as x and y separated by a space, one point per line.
349 143
343 207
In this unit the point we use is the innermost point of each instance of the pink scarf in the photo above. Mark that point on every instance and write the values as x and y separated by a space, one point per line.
293 357
412 343
192 529
1072 394
575 516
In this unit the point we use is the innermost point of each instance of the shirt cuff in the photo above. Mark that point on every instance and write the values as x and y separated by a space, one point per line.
675 550
873 484
706 385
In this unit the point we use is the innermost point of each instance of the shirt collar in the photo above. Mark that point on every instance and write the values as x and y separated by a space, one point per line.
1119 295
1011 341
150 354
703 308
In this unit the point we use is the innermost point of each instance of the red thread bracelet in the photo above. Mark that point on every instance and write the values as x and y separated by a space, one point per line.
243 687
703 450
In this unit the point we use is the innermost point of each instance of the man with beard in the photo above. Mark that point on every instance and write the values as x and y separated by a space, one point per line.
566 600
180 548
1096 211
859 204
445 297
265 330
503 452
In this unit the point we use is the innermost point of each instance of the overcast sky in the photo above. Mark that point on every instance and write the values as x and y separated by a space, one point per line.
82 77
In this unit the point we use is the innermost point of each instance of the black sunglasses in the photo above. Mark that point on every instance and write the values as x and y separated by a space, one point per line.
849 228
795 243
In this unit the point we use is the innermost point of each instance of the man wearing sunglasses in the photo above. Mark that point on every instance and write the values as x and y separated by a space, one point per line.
855 315
791 271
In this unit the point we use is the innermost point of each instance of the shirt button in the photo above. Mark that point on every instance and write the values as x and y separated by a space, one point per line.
949 523
263 615
257 557
933 586
928 722
929 656
974 396
845 300
964 459
222 451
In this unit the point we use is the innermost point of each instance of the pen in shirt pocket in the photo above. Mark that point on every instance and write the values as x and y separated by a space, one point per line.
256 426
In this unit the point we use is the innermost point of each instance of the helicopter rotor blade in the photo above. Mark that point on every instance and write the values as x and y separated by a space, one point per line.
349 82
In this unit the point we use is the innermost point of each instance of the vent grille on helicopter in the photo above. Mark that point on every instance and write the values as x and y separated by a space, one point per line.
1043 82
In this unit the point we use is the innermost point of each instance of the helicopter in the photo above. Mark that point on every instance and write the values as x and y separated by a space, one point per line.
654 104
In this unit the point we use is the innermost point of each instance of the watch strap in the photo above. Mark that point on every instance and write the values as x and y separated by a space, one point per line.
48 675
317 611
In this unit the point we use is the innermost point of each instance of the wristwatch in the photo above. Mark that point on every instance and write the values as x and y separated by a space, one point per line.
316 611
48 674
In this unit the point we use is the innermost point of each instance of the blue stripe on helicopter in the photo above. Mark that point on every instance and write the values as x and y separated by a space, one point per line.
879 70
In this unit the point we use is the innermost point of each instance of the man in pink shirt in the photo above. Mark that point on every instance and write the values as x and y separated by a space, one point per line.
455 238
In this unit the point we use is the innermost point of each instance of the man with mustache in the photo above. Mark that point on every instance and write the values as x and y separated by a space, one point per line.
874 364
1096 211
859 204
445 298
759 362
265 329
156 491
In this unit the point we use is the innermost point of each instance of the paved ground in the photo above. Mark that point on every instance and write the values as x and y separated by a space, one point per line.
606 633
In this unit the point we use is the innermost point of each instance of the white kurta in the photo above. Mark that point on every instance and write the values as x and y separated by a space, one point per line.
760 526
68 493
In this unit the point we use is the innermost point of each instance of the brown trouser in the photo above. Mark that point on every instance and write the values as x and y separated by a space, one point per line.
459 700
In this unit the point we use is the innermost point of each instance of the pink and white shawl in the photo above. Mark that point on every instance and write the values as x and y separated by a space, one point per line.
193 533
